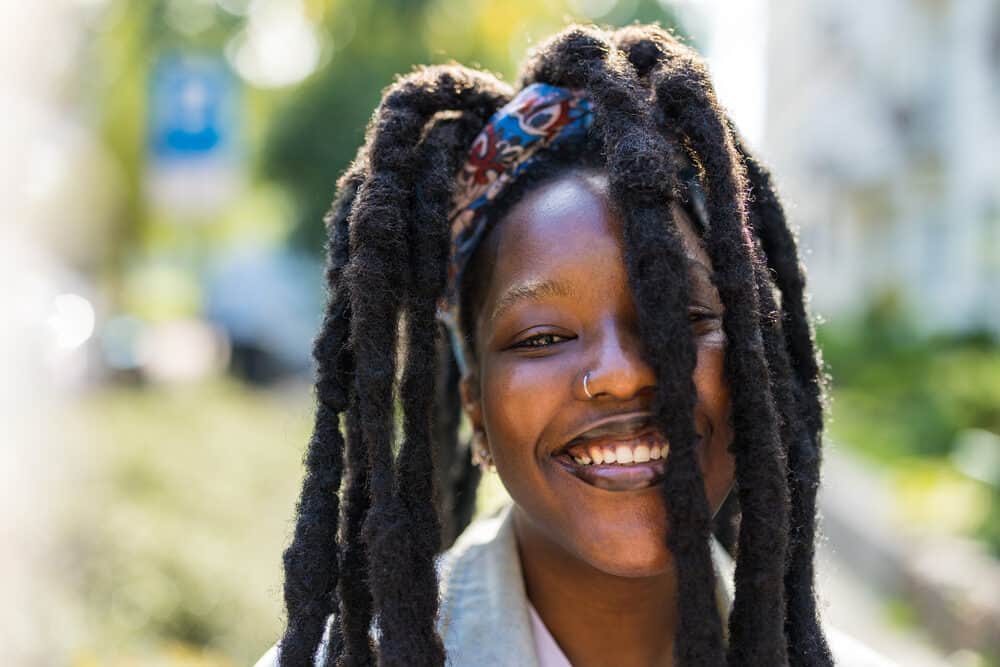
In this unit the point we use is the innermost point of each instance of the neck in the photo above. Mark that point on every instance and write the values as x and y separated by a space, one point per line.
598 619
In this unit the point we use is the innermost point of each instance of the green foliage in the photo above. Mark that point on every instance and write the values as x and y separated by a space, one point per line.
899 394
900 613
173 534
904 400
989 530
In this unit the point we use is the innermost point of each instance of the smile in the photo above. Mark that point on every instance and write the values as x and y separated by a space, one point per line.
620 463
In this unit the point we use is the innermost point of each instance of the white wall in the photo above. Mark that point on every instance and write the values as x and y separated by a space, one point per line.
882 125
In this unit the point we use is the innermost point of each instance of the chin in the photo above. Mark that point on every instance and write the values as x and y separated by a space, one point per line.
635 563
634 551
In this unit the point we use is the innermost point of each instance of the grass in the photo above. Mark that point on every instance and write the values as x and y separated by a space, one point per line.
178 524
179 519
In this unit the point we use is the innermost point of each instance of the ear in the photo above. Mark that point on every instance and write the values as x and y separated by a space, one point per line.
472 404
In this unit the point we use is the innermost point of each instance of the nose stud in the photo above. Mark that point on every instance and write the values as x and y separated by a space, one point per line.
586 386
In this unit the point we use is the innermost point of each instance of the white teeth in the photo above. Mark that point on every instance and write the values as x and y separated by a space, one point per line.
623 454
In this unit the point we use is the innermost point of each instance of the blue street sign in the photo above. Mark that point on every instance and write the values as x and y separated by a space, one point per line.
193 147
193 108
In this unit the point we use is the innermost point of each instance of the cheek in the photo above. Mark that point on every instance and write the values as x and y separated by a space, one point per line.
710 379
519 399
714 411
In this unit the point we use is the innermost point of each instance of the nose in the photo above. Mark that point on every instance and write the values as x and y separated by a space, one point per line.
618 371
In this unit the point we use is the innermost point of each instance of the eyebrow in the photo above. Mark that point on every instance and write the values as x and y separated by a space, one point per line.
530 290
538 290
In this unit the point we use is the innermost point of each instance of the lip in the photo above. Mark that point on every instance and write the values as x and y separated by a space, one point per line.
616 427
615 477
629 429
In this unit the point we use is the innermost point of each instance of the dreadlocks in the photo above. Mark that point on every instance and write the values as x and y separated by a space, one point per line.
373 556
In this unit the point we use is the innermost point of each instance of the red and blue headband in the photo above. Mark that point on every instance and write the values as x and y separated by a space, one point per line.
539 116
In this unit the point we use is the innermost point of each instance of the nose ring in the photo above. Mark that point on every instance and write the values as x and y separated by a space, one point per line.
586 386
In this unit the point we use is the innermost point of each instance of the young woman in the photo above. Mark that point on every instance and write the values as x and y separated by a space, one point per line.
596 273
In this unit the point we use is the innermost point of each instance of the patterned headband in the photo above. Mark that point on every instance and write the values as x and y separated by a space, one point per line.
539 116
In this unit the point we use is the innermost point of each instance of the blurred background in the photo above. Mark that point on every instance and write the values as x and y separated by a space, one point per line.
166 167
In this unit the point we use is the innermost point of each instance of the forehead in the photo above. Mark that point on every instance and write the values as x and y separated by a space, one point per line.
559 218
566 233
571 217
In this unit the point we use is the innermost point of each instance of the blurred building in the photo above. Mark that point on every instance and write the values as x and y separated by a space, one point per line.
883 126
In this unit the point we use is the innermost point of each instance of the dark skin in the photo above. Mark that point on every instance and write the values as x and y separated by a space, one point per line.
557 304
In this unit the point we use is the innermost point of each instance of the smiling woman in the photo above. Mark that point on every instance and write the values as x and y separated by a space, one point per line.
560 374
624 330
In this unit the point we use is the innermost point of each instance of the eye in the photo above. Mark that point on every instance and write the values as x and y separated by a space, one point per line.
702 316
540 340
698 315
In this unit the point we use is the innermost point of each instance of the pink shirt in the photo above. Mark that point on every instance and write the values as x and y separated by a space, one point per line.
548 651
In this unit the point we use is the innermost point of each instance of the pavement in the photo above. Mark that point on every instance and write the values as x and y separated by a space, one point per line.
857 566
852 606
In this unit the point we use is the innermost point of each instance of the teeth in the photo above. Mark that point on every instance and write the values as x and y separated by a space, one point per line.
623 454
